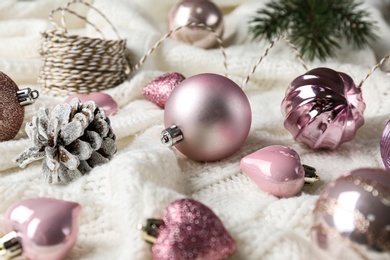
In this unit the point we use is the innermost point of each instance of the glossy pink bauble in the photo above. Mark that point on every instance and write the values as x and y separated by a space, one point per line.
351 216
102 99
199 11
161 88
192 231
47 228
275 169
323 108
213 114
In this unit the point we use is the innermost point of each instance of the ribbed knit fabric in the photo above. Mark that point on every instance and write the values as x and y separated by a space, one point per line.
144 176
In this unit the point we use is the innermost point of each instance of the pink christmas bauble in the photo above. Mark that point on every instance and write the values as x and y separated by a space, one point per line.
275 169
102 99
385 145
323 108
47 228
207 117
199 11
351 216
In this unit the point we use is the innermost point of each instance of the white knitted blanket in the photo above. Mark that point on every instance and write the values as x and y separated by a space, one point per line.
145 176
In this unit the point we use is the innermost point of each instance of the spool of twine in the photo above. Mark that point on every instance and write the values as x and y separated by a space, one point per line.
77 64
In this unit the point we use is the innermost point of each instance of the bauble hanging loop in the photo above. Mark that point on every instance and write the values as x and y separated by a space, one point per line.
12 102
207 117
323 108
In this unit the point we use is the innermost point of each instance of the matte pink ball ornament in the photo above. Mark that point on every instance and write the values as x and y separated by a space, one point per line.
196 11
385 145
12 105
278 170
188 230
323 108
207 117
40 229
102 99
351 216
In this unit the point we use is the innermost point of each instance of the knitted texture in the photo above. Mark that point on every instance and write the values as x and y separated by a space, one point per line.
144 176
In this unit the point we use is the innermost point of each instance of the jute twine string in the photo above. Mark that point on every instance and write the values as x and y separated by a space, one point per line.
271 45
373 69
190 24
77 64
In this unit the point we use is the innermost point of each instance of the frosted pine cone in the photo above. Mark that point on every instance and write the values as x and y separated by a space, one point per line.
71 141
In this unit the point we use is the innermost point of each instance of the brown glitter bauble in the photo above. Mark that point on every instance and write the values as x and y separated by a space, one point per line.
11 112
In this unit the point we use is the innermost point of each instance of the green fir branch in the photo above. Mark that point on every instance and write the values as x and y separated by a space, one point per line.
315 26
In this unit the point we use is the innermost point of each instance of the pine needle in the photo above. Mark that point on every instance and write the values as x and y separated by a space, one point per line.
315 26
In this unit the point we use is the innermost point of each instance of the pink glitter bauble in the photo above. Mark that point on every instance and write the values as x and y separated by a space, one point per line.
192 231
323 108
47 228
213 115
159 89
351 216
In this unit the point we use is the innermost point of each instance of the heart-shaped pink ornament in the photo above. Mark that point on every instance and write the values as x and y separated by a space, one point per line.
102 99
47 228
192 231
275 169
159 90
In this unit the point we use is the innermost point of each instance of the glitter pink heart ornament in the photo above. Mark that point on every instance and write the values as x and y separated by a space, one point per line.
323 108
385 145
158 90
45 228
278 170
189 230
352 213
